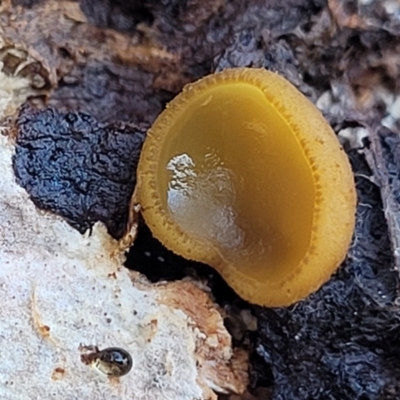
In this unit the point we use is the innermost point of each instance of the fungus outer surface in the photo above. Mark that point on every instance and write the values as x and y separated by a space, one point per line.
243 173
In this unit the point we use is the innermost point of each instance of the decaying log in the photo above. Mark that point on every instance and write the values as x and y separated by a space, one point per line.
383 156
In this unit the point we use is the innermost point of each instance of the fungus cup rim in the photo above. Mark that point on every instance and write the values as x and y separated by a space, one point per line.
334 207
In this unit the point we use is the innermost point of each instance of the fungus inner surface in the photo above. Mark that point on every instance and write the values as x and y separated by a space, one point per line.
233 173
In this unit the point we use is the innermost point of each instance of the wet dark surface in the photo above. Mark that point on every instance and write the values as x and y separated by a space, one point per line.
78 168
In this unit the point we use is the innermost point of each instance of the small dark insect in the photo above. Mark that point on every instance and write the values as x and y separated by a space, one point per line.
112 361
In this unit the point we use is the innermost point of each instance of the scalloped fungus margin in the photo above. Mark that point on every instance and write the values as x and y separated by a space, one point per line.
243 173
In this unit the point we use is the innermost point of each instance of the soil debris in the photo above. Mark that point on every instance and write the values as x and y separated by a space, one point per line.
78 168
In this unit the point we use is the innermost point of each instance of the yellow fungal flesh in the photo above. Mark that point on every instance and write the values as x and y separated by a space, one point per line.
243 173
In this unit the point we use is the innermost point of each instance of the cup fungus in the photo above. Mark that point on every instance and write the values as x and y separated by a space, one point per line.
243 173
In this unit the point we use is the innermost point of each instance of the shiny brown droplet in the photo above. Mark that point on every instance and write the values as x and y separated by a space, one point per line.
112 361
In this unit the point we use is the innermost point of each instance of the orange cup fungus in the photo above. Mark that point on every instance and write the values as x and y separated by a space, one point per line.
243 173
